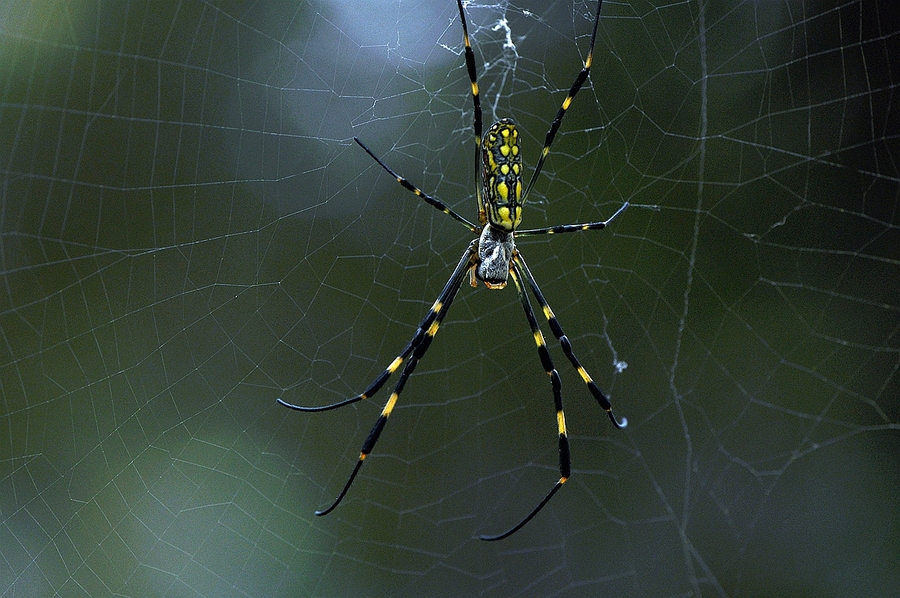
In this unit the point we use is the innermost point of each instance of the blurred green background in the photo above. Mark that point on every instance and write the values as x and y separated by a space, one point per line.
189 233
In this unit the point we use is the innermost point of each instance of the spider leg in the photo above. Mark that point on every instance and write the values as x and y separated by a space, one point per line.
557 121
382 378
571 228
598 394
476 100
421 333
547 362
421 194
417 347
376 385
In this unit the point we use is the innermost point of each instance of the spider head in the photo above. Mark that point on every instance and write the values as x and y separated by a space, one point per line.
502 175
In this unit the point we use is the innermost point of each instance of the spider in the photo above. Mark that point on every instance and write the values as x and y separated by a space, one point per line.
491 258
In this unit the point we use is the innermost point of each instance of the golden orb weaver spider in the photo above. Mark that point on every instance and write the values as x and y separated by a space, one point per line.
488 258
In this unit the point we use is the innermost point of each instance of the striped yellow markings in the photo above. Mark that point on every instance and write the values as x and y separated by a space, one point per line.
561 422
469 48
548 313
584 375
389 406
393 367
398 361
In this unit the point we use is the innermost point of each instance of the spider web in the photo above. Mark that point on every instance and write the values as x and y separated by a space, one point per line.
188 234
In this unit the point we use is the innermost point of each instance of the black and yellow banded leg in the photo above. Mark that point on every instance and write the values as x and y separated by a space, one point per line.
375 386
565 463
557 121
598 394
421 194
383 377
571 228
415 350
476 100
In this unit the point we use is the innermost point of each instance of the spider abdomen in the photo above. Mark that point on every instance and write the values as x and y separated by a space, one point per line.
502 175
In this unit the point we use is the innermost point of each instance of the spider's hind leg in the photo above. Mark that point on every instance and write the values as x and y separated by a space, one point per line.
419 345
565 462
